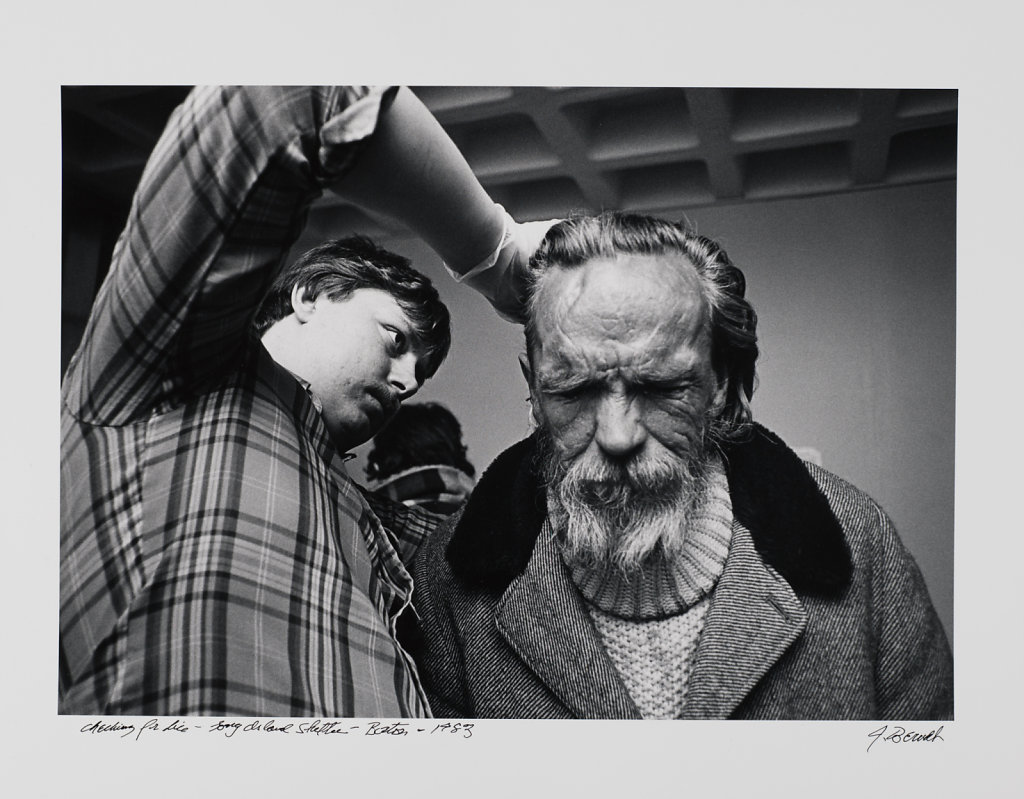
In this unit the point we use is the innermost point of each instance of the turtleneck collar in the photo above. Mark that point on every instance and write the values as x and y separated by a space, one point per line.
666 586
772 494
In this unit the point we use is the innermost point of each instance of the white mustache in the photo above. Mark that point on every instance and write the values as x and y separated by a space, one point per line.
622 513
602 484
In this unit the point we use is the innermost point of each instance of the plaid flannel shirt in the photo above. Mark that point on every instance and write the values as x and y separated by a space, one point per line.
216 559
439 488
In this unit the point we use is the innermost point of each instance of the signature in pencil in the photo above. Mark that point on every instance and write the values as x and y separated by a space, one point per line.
901 735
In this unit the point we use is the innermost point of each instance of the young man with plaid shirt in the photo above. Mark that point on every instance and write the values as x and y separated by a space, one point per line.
216 559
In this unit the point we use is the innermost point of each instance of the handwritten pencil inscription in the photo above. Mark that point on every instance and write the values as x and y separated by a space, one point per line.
229 728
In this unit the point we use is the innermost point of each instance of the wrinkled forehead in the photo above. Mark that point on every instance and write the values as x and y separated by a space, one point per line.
627 298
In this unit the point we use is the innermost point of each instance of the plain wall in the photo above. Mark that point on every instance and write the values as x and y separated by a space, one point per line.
856 298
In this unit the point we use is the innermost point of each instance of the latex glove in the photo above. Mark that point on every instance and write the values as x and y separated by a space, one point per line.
502 276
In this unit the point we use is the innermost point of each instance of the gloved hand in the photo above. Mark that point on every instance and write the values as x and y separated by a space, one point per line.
502 276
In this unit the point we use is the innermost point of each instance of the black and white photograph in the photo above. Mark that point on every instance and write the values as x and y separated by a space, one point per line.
653 546
539 428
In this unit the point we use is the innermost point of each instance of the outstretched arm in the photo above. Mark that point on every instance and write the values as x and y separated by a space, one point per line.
412 171
224 196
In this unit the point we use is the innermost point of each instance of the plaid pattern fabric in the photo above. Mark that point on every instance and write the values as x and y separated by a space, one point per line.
216 559
437 488
415 524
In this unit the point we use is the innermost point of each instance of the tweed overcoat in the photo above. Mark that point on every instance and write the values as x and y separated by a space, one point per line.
820 613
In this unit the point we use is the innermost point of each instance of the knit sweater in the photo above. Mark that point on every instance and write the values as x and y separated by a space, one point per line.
650 621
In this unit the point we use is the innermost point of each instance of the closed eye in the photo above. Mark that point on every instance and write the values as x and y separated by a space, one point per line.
664 390
568 392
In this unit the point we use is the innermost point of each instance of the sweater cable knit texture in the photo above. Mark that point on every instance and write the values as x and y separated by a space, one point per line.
650 622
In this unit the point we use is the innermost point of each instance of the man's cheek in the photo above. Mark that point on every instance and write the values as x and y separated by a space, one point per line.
571 427
676 428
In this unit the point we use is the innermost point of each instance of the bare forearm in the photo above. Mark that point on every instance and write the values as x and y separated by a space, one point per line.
412 171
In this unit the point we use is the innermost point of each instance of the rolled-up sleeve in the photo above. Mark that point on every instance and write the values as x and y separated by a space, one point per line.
223 197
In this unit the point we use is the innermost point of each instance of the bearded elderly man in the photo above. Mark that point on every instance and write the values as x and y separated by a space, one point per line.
650 551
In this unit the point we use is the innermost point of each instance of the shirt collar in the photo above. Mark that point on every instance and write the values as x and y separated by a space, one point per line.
318 405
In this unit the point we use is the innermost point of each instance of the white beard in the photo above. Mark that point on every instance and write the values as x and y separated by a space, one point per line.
623 516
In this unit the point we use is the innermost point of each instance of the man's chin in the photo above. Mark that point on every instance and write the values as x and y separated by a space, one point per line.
601 494
356 431
610 496
632 532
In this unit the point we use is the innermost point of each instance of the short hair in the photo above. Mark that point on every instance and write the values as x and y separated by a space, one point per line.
420 434
733 322
339 267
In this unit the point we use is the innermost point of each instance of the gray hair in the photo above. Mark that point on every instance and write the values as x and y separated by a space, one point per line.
733 323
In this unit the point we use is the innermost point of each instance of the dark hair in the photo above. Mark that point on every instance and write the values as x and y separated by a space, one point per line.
734 351
421 434
337 268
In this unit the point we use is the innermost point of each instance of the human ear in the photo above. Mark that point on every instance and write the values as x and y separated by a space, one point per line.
524 364
721 393
302 304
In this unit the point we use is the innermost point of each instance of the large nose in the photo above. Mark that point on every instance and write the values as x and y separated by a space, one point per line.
620 431
403 375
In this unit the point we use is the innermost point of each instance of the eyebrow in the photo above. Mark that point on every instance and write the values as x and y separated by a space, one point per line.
568 381
562 382
687 375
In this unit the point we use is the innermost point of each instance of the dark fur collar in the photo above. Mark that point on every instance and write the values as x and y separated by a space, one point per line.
792 525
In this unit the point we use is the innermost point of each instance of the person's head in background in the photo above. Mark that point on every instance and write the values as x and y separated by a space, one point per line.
420 459
361 326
